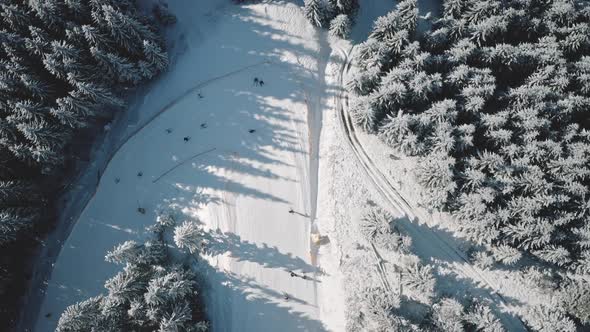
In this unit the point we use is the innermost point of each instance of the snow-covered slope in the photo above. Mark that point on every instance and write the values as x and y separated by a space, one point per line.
243 184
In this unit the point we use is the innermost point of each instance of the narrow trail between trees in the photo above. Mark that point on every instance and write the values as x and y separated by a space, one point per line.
427 244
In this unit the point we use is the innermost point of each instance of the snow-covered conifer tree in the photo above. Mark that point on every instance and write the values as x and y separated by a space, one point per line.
340 26
545 319
482 317
363 115
315 12
81 316
188 235
420 281
506 254
154 56
448 315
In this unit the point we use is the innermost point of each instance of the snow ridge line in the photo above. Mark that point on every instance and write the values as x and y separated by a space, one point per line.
394 198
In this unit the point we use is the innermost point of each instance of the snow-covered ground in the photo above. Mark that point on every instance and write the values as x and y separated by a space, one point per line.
243 184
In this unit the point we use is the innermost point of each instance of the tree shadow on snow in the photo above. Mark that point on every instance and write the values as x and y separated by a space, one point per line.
262 308
219 243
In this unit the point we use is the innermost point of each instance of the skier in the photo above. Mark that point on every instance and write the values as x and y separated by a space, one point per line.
140 174
256 81
200 95
286 296
251 131
291 211
187 138
261 83
203 125
304 277
169 130
293 274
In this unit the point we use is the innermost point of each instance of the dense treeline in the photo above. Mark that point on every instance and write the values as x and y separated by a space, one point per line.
153 292
410 301
63 64
493 101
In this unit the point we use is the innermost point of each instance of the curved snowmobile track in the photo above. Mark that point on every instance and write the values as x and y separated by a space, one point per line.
397 203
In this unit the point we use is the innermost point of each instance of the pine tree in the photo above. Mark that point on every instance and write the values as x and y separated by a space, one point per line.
544 319
506 254
125 286
347 7
315 12
574 298
154 56
188 235
554 254
16 17
13 221
127 31
420 280
81 316
482 317
95 92
375 221
435 173
340 26
44 135
363 115
448 315
116 67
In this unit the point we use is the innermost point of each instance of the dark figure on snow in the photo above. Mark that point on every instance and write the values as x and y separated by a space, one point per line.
140 174
261 82
203 125
200 95
252 131
256 81
169 130
117 180
304 277
187 138
286 296
293 274
291 211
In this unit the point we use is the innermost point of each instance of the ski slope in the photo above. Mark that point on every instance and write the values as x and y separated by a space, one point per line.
251 155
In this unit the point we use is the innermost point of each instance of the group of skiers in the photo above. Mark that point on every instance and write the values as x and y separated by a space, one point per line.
258 82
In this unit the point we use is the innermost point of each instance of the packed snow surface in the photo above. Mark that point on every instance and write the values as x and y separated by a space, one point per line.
235 155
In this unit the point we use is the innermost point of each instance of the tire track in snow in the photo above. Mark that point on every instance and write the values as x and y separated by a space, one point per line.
398 204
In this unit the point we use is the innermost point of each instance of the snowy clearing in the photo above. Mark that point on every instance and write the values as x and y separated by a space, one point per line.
260 143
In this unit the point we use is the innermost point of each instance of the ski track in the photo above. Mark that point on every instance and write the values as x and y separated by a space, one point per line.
256 187
426 242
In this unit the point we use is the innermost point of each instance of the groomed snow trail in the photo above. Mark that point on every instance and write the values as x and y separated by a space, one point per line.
241 189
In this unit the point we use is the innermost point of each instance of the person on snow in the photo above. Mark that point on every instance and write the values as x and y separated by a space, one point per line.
293 274
261 83
187 138
291 211
286 296
256 81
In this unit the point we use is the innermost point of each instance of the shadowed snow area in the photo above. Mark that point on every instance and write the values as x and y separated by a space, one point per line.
255 144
